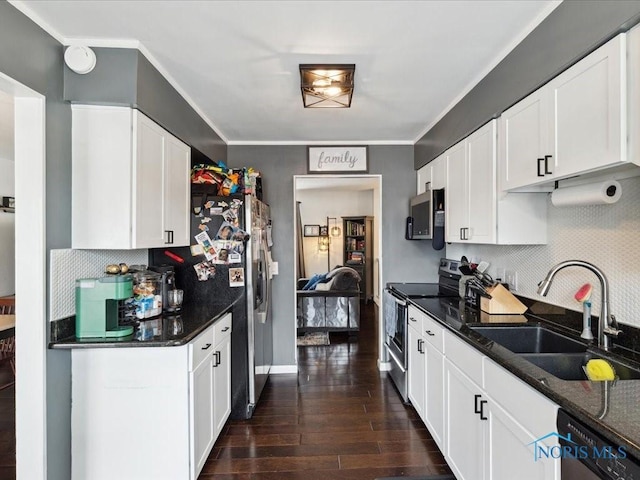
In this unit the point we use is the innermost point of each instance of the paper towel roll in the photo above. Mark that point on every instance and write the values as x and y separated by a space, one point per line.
601 193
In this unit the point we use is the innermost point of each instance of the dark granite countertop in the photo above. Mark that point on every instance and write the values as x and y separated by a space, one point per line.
610 408
172 330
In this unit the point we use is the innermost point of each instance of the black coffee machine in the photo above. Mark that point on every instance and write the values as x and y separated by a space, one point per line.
167 282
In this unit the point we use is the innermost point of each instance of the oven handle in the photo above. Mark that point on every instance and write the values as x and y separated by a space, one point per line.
396 299
395 359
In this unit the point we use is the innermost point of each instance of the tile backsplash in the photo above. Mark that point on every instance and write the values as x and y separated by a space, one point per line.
606 235
67 264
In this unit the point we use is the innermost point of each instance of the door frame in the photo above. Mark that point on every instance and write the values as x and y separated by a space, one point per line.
377 248
30 278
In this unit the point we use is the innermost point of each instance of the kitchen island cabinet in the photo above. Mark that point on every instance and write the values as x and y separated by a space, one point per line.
130 181
166 405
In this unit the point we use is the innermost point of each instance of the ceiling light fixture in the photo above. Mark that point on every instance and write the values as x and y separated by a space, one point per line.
327 86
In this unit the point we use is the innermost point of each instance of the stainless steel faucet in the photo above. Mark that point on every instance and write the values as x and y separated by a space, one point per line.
607 326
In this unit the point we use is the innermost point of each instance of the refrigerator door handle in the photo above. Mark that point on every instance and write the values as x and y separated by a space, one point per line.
263 308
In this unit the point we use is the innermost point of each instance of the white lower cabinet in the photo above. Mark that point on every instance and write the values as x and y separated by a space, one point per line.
164 405
485 419
416 372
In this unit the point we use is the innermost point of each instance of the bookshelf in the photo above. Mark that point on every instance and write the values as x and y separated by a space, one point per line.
358 251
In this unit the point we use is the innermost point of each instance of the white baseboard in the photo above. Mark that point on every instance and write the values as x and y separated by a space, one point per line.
384 366
276 369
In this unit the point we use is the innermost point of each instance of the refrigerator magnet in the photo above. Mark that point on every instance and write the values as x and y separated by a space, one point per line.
203 228
215 211
225 232
235 257
223 204
209 204
196 250
236 277
204 240
202 271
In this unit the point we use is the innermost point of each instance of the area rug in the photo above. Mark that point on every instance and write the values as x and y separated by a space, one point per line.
313 338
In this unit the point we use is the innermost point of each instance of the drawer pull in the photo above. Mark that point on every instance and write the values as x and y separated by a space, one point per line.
207 346
225 329
412 319
430 333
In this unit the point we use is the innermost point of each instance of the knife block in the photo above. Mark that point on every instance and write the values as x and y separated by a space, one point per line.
502 302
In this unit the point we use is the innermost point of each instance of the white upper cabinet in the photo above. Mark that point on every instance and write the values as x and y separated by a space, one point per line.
475 213
433 175
575 124
130 181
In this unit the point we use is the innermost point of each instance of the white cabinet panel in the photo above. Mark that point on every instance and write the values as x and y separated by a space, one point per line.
464 435
171 405
222 384
201 385
130 181
456 193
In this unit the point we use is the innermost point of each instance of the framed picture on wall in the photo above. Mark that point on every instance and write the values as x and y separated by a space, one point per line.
312 230
324 231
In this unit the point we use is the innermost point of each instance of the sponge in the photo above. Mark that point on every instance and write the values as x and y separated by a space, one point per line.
584 293
599 370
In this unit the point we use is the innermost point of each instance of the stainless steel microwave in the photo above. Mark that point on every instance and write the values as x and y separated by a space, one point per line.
420 221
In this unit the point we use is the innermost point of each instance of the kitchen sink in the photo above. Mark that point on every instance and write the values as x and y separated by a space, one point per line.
568 366
531 339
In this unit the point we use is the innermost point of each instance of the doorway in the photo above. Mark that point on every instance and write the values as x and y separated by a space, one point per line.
30 277
324 200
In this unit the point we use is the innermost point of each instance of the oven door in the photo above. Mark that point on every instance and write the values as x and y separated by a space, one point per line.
396 340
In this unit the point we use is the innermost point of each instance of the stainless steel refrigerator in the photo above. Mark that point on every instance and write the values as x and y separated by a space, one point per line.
250 292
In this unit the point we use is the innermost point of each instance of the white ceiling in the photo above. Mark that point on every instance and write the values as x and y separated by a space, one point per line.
237 61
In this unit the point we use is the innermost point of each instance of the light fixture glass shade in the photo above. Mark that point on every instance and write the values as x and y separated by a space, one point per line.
327 86
335 231
323 243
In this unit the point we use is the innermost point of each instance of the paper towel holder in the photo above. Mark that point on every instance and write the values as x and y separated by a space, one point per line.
596 193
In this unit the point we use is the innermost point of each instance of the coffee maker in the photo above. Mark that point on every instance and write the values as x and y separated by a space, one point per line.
97 306
167 282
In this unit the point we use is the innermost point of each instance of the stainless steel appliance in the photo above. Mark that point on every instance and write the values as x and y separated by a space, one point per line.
249 293
396 320
420 222
587 455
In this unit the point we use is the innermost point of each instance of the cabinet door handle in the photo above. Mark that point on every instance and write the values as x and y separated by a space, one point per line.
217 360
479 406
430 333
169 238
420 346
540 174
546 164
482 404
207 346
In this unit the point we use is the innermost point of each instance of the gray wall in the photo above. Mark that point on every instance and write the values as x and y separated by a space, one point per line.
125 77
32 57
402 260
572 30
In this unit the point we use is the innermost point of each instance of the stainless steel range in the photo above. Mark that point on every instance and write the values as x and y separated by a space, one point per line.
395 315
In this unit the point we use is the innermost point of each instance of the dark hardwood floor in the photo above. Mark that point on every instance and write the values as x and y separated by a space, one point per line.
338 418
7 427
